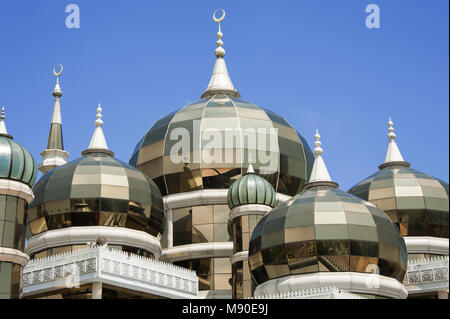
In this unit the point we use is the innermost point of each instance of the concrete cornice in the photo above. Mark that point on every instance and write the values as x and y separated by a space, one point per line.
13 256
426 245
240 256
251 209
363 283
83 235
15 188
196 251
204 197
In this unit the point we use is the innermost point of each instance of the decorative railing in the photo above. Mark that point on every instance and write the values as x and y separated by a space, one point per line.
133 271
427 271
316 293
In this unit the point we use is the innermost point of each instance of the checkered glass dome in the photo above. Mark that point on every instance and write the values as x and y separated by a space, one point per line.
231 120
416 202
96 189
325 229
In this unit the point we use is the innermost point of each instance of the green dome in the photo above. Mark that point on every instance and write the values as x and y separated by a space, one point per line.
16 162
325 229
416 202
96 190
290 161
251 189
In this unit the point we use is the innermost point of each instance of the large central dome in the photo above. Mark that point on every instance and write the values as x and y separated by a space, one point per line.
209 143
223 133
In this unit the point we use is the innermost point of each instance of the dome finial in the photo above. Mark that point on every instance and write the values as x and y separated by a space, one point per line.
317 150
220 51
57 90
393 153
3 130
319 172
220 81
98 121
250 166
98 141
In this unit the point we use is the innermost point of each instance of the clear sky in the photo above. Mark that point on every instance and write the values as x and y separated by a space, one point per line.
313 62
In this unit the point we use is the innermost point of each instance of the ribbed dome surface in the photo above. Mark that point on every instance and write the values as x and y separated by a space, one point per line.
16 162
96 189
287 169
416 202
251 189
325 229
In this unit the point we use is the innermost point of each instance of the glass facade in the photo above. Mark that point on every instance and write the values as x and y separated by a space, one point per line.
12 222
213 273
10 280
203 224
232 131
242 228
199 224
96 190
417 203
325 229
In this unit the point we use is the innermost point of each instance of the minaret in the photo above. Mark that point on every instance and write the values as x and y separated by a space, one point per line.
249 199
220 80
54 155
17 176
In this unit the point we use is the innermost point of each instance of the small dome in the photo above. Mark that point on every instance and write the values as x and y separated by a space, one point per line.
325 229
251 189
96 189
16 162
416 202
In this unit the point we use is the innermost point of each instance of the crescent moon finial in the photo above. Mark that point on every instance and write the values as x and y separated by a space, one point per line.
57 74
218 20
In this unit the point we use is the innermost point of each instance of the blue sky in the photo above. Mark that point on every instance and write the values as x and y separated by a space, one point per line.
313 62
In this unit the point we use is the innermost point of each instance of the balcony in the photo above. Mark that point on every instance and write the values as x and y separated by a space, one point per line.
427 275
100 264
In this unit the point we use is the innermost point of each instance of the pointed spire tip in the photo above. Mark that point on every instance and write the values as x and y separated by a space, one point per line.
319 172
220 81
3 130
393 152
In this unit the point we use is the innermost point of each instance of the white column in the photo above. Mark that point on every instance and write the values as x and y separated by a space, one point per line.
169 228
97 290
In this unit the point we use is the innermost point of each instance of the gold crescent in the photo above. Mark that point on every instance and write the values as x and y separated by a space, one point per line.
218 20
60 71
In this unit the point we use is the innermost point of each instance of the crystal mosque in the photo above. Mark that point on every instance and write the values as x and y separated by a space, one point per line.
220 199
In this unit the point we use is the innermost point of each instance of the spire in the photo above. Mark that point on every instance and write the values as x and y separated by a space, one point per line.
393 153
220 81
55 155
319 172
55 140
98 141
250 169
3 130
